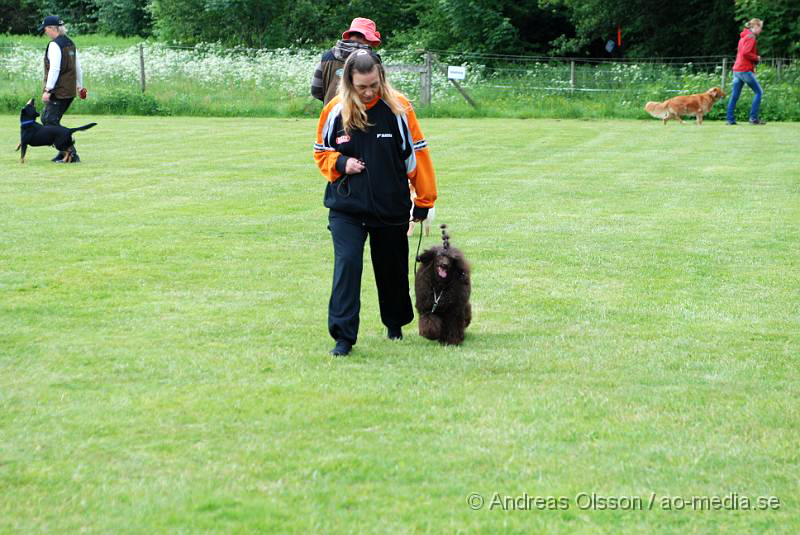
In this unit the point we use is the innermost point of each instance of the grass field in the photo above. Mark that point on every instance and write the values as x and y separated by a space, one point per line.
163 343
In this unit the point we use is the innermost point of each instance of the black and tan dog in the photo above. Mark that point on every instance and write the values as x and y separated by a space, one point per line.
442 286
36 135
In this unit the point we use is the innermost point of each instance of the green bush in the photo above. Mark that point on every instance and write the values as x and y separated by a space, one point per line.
128 103
124 17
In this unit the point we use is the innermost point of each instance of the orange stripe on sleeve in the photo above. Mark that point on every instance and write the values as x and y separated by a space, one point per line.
324 155
422 177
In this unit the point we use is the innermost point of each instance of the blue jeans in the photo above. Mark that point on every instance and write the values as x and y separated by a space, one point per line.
739 79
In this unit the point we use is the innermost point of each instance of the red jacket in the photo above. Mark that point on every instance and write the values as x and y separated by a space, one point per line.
747 53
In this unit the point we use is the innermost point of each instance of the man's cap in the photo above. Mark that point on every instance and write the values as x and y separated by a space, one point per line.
365 27
50 20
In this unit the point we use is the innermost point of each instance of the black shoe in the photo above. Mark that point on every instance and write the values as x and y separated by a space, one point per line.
730 123
58 157
342 348
394 333
75 159
757 122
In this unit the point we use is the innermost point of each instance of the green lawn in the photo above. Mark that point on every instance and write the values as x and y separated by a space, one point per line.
163 341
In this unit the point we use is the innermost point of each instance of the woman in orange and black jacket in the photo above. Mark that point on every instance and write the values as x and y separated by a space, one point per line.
369 147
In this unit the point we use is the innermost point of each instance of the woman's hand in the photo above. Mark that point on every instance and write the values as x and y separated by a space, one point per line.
354 166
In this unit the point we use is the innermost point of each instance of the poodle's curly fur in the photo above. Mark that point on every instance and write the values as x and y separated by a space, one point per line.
442 287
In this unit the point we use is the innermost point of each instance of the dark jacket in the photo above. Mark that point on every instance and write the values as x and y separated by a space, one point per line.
394 151
66 85
325 82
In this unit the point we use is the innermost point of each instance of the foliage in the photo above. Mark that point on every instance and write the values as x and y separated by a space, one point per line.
214 80
120 17
781 34
19 16
79 15
270 23
537 26
123 17
475 25
649 29
553 27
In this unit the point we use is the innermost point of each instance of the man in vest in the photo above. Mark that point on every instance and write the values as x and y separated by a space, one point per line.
63 77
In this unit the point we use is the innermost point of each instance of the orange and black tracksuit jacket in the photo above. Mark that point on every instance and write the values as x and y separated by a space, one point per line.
395 153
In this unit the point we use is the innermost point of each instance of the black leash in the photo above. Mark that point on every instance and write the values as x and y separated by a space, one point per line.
419 243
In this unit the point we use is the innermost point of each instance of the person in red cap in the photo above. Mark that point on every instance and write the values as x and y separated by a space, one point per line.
362 34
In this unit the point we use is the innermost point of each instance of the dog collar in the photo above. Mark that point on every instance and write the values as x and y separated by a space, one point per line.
23 123
436 299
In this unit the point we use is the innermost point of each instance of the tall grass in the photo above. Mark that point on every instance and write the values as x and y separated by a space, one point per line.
88 40
212 81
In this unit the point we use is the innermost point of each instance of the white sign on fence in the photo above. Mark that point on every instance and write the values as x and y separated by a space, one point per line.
456 72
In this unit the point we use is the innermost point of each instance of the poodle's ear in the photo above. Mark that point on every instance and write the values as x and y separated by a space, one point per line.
426 257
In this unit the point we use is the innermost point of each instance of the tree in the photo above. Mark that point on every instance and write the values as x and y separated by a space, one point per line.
781 34
123 17
79 15
649 27
230 22
468 25
19 16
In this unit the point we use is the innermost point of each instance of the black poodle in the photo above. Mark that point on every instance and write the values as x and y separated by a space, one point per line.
442 289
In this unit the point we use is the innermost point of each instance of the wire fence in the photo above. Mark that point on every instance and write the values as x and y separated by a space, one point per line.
571 76
420 74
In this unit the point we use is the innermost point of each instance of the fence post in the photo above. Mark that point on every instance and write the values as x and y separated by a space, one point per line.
141 64
724 72
779 66
572 74
455 83
425 81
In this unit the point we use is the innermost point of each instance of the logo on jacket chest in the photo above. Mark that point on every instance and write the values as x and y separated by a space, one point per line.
342 139
383 135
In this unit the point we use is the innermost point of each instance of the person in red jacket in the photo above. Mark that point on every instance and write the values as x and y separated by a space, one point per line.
744 71
369 148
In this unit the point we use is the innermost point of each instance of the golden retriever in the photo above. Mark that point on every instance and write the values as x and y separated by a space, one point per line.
697 105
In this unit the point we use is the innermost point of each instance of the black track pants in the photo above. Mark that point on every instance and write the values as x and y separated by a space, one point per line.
54 110
389 250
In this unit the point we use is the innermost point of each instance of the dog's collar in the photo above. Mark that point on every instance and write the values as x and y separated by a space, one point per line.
23 123
436 299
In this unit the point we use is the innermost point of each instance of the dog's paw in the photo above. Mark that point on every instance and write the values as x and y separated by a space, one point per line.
430 327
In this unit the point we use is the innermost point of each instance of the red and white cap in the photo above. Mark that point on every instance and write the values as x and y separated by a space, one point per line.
365 27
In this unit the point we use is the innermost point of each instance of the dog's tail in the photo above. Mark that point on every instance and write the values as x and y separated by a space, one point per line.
659 110
84 127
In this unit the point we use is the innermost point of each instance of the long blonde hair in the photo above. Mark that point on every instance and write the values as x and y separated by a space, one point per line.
354 112
754 22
